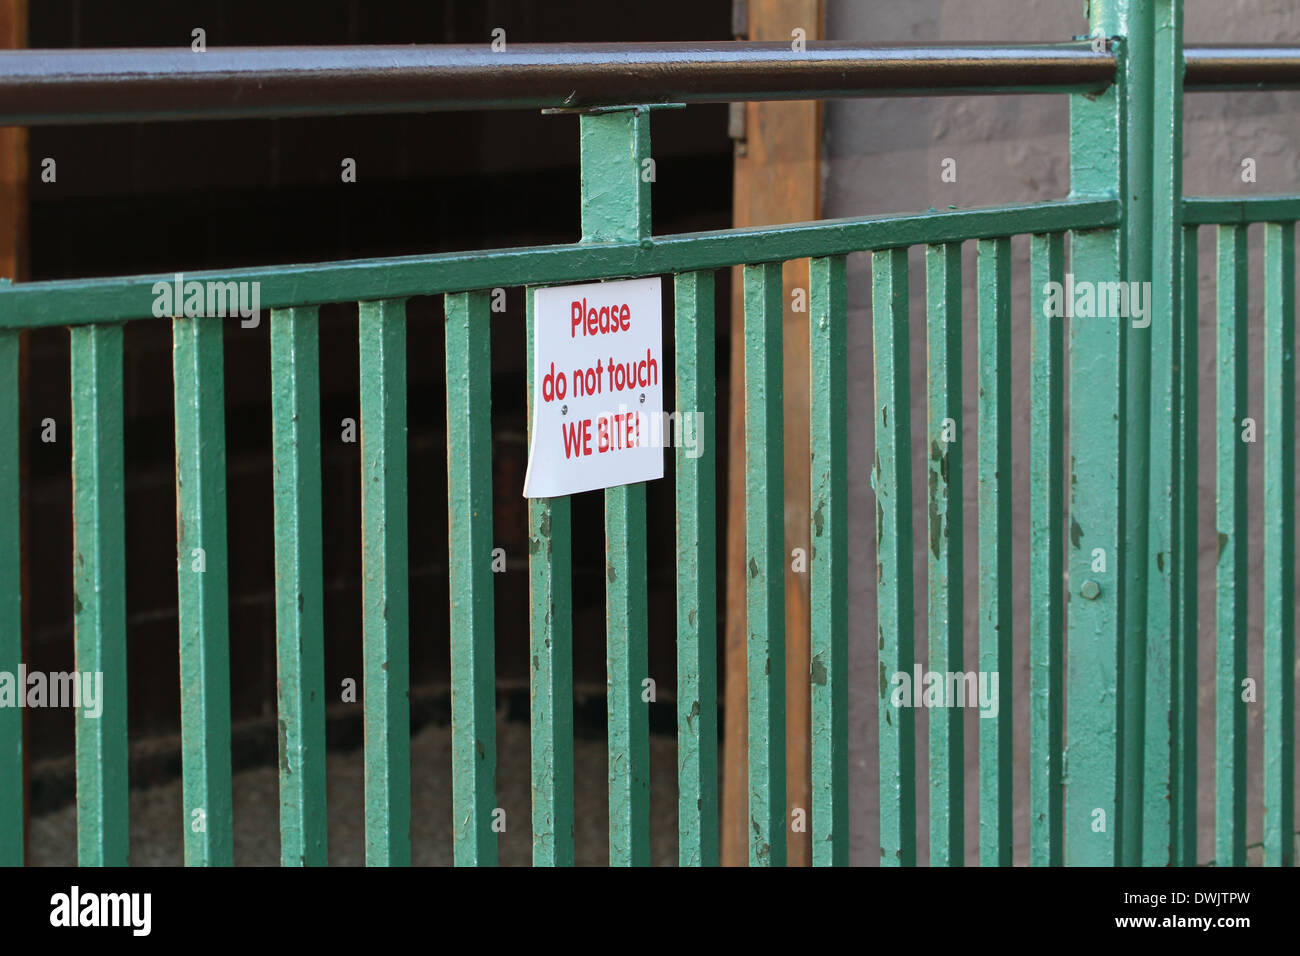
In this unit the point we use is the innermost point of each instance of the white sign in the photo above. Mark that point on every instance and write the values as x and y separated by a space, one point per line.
598 395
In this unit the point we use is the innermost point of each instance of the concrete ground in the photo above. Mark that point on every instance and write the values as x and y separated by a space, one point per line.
157 818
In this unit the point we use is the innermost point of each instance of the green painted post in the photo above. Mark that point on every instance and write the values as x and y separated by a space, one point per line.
202 610
385 604
1137 74
829 595
550 596
99 593
1279 544
1184 693
299 584
996 758
697 572
1231 525
11 604
765 563
1097 410
891 480
1154 827
1046 549
615 146
469 523
944 433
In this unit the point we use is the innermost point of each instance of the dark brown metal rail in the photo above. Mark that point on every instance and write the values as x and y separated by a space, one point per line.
42 87
1253 67
89 86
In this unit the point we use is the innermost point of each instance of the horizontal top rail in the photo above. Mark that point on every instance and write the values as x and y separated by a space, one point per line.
1253 66
81 301
1223 210
44 87
41 87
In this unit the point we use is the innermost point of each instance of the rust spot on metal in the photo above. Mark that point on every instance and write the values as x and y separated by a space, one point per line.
610 572
753 568
1076 533
819 520
818 671
1223 543
936 520
284 747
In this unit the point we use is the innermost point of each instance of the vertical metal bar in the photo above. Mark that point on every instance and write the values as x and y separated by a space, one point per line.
1161 327
627 666
994 280
616 205
385 606
1279 544
1183 666
697 572
944 427
1233 549
99 594
1137 73
1097 410
1161 324
550 594
765 551
299 584
203 615
829 473
1046 549
469 523
11 604
893 486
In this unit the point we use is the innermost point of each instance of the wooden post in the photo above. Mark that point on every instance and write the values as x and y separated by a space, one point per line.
777 179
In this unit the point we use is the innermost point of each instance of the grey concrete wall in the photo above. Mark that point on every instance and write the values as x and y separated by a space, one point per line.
885 156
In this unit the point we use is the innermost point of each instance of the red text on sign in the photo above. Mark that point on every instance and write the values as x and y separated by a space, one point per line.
614 432
592 321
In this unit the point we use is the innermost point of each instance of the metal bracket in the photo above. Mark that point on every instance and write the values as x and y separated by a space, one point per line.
592 110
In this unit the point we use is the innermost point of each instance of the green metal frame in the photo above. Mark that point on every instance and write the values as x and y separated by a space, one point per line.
1112 777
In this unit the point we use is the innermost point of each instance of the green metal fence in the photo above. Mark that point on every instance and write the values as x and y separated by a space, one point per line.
1113 719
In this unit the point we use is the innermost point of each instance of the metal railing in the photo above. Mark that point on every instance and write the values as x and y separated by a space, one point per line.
1129 492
